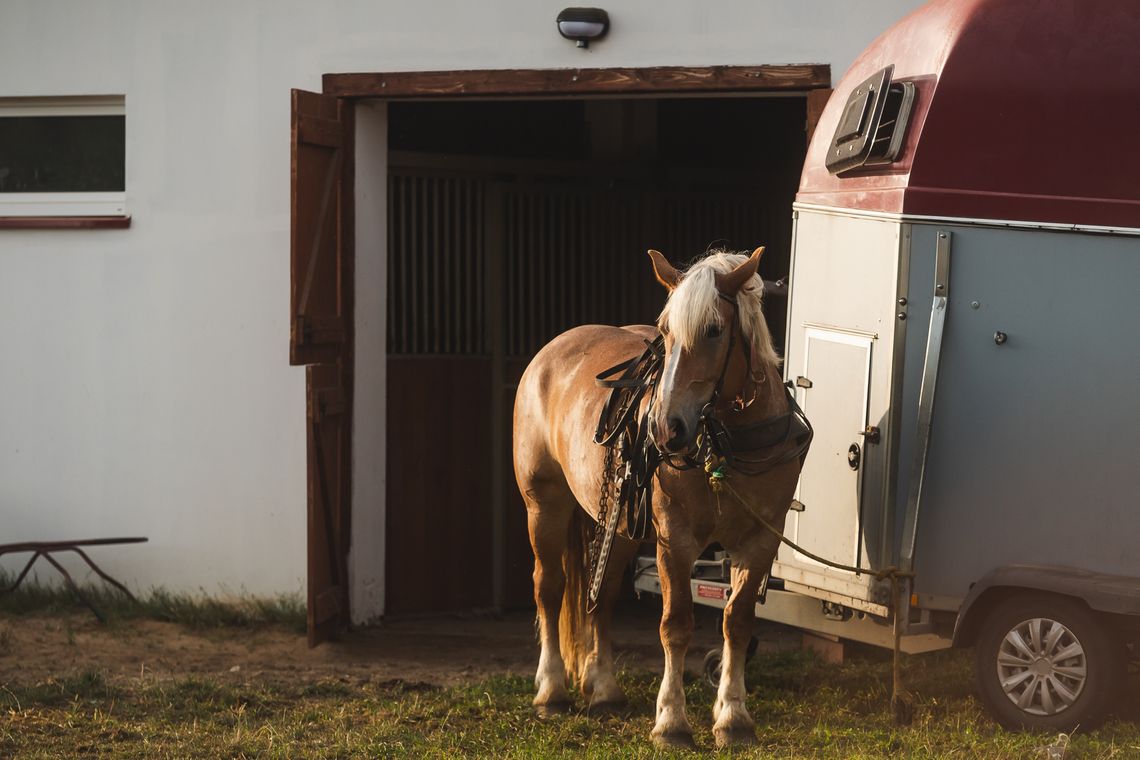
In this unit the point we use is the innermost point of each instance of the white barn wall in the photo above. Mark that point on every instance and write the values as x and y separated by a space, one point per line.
144 381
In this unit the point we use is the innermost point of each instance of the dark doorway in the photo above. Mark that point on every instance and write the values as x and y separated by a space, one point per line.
509 222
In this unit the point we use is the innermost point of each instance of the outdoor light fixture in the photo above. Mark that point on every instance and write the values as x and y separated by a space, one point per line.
583 24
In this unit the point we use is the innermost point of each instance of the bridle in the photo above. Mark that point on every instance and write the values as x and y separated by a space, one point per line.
737 446
716 439
628 474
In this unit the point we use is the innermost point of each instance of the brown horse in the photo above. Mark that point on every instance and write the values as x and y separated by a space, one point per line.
717 347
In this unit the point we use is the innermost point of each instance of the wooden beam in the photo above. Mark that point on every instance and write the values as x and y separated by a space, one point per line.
559 82
816 100
64 222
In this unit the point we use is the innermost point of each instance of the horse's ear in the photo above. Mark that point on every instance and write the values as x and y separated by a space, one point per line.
731 283
666 274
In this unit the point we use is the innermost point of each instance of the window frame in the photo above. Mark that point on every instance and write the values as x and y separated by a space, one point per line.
64 204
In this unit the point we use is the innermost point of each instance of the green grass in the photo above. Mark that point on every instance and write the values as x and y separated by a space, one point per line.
200 610
803 707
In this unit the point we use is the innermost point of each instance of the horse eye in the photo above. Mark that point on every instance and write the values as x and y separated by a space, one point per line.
713 331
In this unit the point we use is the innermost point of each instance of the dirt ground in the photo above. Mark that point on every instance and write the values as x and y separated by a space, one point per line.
441 651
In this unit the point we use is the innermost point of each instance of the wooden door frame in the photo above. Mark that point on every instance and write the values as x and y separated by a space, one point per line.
555 83
659 80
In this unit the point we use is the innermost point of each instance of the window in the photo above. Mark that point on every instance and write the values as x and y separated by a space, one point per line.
62 156
873 124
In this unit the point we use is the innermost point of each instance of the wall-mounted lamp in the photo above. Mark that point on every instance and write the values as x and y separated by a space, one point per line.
583 25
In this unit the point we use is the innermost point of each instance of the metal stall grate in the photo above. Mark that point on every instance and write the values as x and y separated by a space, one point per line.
571 254
436 265
572 257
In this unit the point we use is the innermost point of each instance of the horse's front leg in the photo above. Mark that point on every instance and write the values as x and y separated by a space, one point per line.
674 566
731 722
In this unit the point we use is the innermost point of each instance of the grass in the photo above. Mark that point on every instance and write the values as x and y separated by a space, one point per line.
804 709
200 610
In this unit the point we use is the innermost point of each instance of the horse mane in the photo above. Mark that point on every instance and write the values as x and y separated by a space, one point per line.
692 306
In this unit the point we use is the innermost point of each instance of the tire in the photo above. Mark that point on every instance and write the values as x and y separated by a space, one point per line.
1030 687
713 658
712 667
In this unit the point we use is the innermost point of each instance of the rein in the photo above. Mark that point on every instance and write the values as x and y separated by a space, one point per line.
631 486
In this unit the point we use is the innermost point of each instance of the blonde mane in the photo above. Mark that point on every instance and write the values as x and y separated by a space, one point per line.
692 306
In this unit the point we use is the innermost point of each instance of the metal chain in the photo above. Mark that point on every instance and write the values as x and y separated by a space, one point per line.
606 524
603 534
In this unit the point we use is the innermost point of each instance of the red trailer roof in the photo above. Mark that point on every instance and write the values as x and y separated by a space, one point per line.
1024 110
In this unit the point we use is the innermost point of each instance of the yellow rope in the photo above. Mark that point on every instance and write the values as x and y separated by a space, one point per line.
902 704
719 482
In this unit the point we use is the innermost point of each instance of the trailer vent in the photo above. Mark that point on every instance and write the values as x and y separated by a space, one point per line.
873 124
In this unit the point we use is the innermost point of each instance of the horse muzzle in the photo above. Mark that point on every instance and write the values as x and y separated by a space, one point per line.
671 434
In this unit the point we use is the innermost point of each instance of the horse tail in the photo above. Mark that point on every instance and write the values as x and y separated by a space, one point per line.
573 633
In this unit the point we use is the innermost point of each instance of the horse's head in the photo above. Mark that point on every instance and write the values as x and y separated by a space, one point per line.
716 341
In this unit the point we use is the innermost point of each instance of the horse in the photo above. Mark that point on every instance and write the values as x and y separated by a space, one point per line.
719 364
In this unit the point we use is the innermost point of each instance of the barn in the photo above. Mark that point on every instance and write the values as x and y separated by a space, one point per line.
269 272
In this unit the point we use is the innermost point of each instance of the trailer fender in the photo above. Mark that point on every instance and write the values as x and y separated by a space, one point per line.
1114 594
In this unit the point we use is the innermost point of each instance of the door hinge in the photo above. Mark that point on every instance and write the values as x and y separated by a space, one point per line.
318 330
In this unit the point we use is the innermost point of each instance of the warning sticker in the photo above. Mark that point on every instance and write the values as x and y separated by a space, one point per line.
710 592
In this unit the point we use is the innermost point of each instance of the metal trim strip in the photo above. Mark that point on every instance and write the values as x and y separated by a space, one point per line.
998 223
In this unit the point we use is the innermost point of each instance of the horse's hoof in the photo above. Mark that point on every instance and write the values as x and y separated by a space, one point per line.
729 736
608 707
551 709
674 740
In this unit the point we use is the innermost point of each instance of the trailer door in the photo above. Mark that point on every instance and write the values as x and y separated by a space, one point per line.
838 364
841 335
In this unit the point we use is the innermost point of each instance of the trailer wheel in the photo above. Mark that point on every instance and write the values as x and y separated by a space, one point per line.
712 667
1046 662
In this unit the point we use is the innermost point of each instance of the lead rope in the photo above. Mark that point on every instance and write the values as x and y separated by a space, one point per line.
902 702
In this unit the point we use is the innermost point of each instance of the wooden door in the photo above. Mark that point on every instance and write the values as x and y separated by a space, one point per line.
329 455
320 238
320 336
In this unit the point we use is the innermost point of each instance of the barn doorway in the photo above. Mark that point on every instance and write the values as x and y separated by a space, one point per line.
510 221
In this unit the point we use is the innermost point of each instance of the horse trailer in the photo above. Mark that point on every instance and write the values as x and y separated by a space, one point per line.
962 333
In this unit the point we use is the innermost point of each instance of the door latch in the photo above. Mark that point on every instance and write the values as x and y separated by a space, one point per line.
871 434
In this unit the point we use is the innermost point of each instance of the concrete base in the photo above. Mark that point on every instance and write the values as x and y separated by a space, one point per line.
830 648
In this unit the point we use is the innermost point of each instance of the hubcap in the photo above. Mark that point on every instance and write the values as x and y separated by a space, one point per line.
1041 666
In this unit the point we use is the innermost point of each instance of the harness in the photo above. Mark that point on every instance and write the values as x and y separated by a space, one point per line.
632 456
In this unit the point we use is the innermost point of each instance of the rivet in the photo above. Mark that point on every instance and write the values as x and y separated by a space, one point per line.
902 302
902 315
975 305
